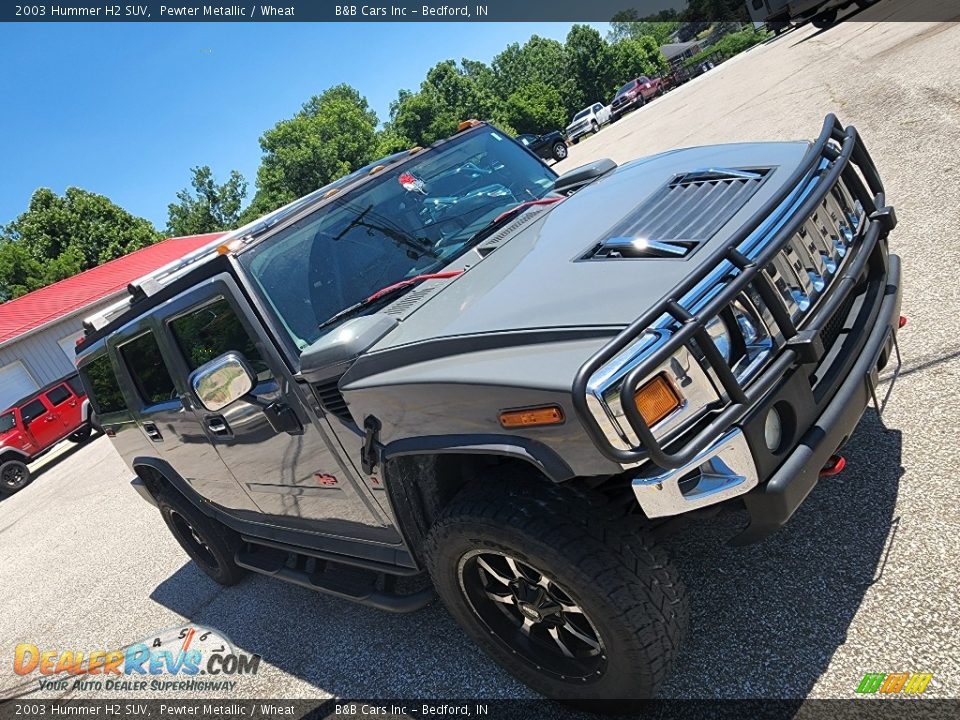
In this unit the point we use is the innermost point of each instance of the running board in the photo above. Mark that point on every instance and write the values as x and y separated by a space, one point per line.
343 581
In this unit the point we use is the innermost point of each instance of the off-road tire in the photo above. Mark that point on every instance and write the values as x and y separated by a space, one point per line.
559 151
14 476
824 19
212 546
601 557
81 435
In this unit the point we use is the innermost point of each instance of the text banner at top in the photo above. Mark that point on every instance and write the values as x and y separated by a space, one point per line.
449 11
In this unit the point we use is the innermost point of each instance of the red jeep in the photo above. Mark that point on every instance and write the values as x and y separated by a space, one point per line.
38 422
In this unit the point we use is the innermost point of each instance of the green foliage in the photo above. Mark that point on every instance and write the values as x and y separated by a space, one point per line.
538 61
625 26
210 207
732 44
536 108
633 57
590 65
449 95
334 133
60 236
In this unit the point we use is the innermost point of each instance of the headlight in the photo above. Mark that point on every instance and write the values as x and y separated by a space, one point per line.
717 329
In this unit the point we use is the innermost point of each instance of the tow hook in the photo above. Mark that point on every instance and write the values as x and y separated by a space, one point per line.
834 466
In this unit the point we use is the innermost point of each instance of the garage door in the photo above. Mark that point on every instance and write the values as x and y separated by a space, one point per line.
15 382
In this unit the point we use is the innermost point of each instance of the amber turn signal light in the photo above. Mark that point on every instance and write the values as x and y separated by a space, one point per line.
656 399
531 417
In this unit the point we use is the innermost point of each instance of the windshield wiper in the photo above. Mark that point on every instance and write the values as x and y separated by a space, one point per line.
387 291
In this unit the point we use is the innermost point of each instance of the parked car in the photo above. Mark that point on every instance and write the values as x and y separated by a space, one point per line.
454 361
779 14
589 120
37 423
635 94
549 146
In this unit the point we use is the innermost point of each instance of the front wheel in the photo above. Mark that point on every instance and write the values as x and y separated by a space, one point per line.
825 19
570 596
210 544
14 476
559 151
596 126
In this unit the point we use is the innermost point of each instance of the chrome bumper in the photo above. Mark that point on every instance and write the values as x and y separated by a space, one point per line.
722 471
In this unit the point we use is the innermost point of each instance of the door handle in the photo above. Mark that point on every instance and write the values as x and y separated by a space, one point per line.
218 425
153 432
50 418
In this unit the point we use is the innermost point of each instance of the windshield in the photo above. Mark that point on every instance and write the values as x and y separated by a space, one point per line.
629 86
411 220
7 422
581 114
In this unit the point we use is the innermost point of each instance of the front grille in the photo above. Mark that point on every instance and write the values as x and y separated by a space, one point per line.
331 400
803 271
681 215
748 314
834 326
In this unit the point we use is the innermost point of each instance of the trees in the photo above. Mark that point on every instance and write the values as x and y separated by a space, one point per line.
210 207
625 26
635 56
539 61
536 108
332 134
589 64
59 236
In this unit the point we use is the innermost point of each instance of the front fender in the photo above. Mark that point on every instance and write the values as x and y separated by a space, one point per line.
541 456
6 449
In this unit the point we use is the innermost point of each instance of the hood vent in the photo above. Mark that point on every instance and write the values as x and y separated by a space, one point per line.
411 299
493 242
683 214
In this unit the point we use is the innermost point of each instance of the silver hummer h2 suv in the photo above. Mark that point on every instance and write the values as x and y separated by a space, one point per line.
455 366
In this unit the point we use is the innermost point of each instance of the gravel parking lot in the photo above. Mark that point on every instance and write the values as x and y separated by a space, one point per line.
864 579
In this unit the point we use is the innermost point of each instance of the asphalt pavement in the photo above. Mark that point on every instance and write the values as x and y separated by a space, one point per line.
863 579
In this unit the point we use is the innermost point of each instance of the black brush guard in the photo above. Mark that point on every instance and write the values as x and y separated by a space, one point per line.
843 162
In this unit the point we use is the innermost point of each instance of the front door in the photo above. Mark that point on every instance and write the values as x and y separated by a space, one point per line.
41 422
294 475
171 426
66 406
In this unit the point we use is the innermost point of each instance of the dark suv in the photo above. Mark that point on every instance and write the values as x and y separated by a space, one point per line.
455 363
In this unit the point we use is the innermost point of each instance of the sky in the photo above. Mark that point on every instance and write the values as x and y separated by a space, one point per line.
125 110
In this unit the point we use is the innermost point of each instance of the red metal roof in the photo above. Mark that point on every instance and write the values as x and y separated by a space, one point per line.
71 295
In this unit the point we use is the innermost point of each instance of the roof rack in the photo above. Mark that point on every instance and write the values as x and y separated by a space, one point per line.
153 282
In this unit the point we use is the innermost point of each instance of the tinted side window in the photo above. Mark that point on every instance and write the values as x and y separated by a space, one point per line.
32 410
99 378
212 330
76 385
150 375
58 395
7 422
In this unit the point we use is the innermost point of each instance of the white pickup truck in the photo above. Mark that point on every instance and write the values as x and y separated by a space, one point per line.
587 120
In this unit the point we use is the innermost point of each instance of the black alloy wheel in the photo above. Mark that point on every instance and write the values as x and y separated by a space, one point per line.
532 614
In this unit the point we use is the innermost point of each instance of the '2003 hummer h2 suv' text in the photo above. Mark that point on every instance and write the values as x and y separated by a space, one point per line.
455 366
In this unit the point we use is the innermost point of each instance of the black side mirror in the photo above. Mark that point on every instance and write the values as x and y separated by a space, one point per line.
571 181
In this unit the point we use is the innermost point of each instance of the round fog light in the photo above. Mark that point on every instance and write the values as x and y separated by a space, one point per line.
773 430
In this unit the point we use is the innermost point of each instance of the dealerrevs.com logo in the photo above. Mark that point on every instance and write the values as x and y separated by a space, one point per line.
901 683
189 658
